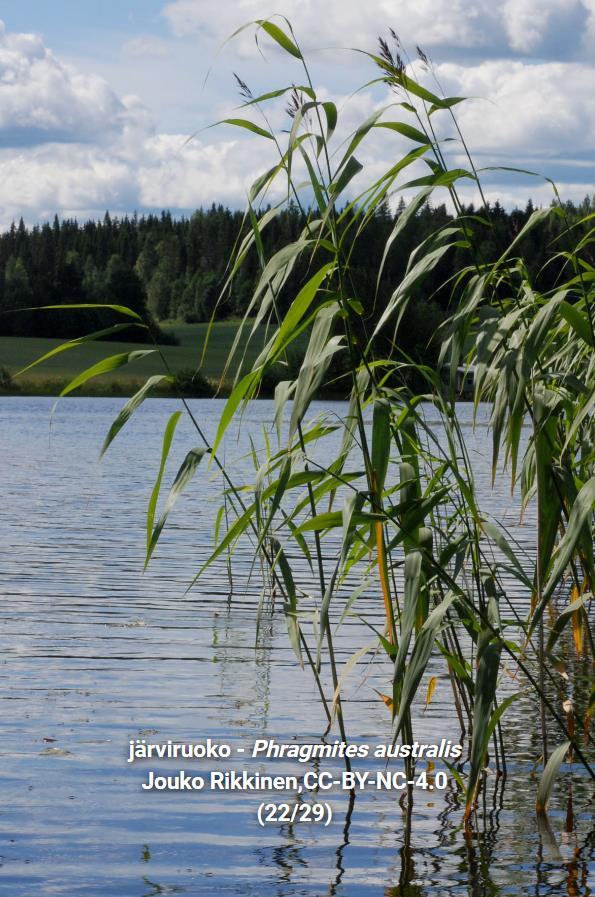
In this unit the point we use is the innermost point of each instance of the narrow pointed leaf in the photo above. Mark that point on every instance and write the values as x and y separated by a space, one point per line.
72 344
348 172
580 514
578 321
565 617
381 443
231 406
489 651
130 407
548 777
420 656
104 367
405 130
168 436
121 309
330 110
279 37
412 576
291 606
430 690
183 477
498 537
247 126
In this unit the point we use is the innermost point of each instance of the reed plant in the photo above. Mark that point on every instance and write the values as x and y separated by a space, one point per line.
387 491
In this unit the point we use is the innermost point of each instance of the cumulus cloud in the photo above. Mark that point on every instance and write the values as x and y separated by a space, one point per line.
508 196
162 171
455 22
530 24
546 109
54 177
518 26
70 144
182 175
42 99
588 38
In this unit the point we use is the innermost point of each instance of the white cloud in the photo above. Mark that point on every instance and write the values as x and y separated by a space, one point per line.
521 26
528 21
183 175
541 194
588 39
58 176
41 99
161 171
70 144
337 23
545 110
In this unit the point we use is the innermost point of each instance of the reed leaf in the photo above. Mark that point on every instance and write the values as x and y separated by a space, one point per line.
185 473
488 664
424 642
130 407
247 125
580 515
279 37
578 321
381 443
119 309
72 344
104 367
412 575
291 605
566 616
298 309
321 348
168 436
548 777
243 388
498 537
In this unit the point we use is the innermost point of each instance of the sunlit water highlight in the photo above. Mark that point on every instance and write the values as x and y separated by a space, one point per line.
94 653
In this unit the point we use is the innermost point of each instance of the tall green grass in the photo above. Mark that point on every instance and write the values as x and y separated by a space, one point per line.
398 497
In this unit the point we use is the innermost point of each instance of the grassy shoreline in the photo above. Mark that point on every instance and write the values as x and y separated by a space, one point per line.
213 376
123 389
51 376
195 376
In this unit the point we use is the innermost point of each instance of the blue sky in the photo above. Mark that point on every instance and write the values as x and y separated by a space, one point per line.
97 101
64 21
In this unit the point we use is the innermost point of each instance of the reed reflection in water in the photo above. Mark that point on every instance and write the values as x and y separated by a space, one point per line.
94 654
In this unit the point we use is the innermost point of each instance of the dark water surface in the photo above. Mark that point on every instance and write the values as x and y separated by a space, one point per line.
94 653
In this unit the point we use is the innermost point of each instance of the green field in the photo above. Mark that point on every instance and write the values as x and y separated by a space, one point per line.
51 375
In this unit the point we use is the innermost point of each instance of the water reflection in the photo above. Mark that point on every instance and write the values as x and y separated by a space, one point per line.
162 889
334 886
92 654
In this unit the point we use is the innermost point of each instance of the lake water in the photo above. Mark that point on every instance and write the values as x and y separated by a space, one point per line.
95 653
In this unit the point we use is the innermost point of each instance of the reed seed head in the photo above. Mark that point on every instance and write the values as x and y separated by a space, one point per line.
245 91
294 104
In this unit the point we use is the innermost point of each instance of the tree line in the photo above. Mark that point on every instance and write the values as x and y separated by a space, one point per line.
169 268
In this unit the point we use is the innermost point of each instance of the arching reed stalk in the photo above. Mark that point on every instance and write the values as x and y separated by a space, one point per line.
396 504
